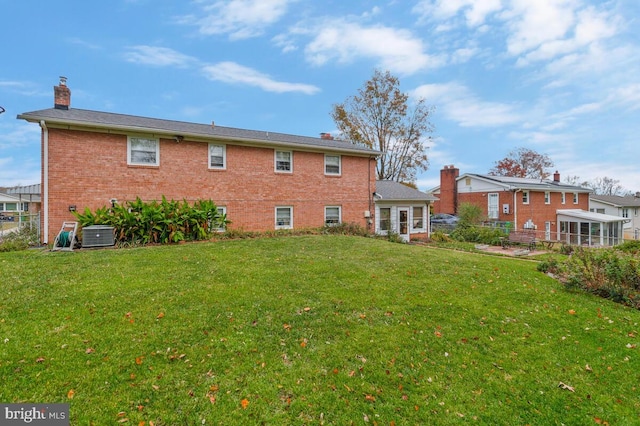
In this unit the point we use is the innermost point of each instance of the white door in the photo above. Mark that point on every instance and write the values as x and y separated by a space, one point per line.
547 231
492 208
403 223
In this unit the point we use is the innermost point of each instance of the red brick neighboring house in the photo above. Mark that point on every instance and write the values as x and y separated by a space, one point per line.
261 180
554 210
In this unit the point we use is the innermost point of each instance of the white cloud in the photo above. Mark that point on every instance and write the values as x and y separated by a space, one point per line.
157 56
231 72
459 104
396 50
475 11
241 19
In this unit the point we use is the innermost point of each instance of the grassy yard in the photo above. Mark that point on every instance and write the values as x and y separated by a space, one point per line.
311 330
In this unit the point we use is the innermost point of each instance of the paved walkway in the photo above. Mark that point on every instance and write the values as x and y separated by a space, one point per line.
511 251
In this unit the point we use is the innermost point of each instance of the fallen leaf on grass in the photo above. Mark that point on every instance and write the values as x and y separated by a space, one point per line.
139 360
244 403
160 315
572 312
89 351
566 387
39 360
599 421
71 394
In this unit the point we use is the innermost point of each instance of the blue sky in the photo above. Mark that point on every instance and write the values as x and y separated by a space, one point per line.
561 77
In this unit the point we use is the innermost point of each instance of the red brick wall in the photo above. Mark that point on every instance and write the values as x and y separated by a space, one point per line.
536 210
87 169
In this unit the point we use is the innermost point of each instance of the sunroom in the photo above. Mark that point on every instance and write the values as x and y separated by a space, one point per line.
580 227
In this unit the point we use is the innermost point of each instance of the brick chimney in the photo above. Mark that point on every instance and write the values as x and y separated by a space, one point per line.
62 95
556 176
448 190
326 136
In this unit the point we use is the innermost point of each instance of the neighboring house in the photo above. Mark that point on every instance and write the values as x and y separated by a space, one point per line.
260 180
20 199
402 210
555 211
627 207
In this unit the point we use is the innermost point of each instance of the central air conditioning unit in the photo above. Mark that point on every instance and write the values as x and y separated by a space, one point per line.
98 236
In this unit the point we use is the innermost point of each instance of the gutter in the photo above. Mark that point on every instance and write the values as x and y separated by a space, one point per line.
204 137
45 182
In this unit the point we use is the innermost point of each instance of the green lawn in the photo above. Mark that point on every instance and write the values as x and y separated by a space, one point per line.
311 330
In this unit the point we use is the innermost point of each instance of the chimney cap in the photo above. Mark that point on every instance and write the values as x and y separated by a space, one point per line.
63 80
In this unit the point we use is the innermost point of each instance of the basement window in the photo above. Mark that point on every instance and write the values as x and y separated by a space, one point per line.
332 215
284 217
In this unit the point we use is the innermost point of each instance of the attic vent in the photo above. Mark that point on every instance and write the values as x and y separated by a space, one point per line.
97 236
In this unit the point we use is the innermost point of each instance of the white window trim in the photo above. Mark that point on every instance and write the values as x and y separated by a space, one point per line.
224 157
547 197
221 210
339 165
131 163
379 220
275 161
422 219
564 198
339 215
575 198
528 197
496 210
290 226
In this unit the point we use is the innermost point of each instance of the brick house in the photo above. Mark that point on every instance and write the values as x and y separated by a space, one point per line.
555 211
261 180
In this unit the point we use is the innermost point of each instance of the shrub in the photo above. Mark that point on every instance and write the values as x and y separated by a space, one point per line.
138 222
470 214
609 273
346 229
440 237
477 234
22 239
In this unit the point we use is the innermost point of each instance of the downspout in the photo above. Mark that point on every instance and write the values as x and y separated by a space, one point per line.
45 182
372 209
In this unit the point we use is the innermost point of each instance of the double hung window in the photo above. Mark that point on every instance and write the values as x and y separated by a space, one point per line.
143 151
217 156
332 165
284 161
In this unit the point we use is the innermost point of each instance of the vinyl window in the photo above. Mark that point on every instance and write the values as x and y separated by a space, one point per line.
547 197
284 217
385 219
332 164
222 211
143 151
332 215
418 219
525 197
575 198
284 161
217 156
